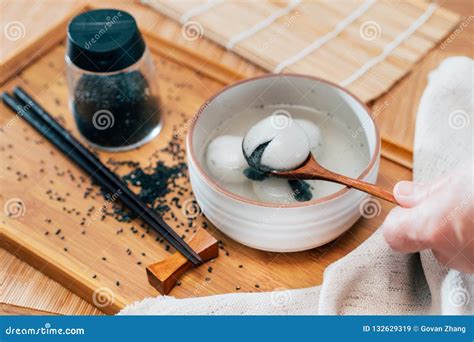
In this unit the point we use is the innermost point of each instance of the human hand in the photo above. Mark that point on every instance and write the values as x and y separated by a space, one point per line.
439 217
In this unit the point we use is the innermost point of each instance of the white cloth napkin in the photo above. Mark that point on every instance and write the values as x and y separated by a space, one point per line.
373 279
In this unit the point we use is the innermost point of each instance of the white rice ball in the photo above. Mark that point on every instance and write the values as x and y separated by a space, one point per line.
225 159
313 132
288 147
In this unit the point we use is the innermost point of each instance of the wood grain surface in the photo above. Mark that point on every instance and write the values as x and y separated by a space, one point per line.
7 309
21 285
391 105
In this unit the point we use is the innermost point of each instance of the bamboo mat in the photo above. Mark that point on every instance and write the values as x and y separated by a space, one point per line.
365 46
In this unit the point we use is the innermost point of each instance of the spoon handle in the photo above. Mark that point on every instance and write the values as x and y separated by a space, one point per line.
361 185
369 188
312 170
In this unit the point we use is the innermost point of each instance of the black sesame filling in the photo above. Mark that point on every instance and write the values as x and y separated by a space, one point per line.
255 159
258 172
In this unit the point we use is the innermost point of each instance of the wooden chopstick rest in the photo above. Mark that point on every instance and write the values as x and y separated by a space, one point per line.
164 274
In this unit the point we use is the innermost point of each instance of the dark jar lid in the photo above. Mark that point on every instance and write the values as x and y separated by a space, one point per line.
104 40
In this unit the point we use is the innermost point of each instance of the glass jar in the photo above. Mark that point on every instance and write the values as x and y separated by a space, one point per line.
113 92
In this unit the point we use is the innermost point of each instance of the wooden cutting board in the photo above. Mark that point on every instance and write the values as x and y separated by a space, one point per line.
52 197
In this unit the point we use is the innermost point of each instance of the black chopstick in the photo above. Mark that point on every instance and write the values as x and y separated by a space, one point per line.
53 131
40 120
108 174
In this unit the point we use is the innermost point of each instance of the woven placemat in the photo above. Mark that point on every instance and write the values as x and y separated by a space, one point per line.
365 46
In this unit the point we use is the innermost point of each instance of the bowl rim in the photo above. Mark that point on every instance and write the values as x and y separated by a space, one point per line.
328 198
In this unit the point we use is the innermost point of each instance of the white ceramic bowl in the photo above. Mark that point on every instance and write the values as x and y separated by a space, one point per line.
277 227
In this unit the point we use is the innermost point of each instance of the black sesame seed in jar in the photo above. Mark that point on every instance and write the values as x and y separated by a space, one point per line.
116 110
111 80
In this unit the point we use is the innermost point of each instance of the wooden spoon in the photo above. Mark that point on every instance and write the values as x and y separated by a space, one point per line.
311 169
